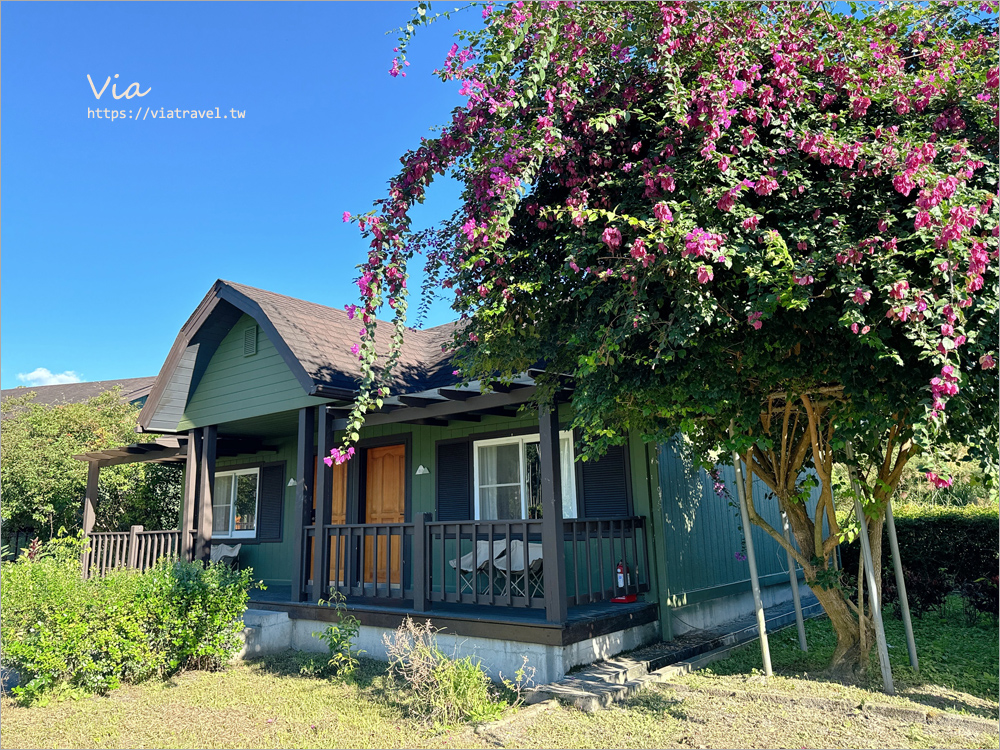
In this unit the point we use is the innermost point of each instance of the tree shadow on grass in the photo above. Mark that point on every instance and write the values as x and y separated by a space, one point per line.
658 703
370 675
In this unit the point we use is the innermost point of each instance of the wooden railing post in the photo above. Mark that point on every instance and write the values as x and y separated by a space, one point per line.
190 501
133 546
324 505
206 484
89 512
420 564
553 556
303 498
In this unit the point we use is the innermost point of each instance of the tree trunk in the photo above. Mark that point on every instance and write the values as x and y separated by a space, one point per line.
849 659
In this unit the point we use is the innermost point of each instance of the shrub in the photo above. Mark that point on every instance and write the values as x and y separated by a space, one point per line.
195 612
339 639
943 549
445 690
66 634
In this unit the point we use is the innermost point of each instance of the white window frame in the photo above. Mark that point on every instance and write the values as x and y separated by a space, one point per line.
520 441
232 533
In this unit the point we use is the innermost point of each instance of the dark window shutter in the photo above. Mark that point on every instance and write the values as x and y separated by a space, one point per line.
271 505
454 481
605 484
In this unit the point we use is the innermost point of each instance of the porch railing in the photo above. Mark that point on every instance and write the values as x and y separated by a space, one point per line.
371 561
493 563
136 548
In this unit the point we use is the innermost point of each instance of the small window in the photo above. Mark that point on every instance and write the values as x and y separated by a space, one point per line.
234 503
249 341
508 481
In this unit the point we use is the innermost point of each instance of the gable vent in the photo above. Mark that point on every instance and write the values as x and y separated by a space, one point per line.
249 341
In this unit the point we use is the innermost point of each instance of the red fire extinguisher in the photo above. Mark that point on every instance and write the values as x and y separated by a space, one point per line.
622 573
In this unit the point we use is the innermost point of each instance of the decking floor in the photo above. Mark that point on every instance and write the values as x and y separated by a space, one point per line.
579 615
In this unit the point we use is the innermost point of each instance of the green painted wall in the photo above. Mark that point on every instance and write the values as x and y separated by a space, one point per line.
703 534
237 387
272 562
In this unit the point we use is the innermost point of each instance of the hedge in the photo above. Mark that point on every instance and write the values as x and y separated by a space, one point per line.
943 550
66 634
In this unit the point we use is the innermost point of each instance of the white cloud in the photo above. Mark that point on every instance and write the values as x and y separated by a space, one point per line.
42 376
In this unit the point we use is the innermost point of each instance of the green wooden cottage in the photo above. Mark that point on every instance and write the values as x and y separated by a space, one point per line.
463 507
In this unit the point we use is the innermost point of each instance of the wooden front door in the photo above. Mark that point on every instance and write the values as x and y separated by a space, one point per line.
385 502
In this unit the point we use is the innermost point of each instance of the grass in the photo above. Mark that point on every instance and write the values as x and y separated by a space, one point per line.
956 657
277 702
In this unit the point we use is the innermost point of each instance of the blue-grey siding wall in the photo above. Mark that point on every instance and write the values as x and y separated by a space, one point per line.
702 536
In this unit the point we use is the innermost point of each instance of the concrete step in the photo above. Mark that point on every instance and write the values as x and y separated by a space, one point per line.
261 618
603 683
265 632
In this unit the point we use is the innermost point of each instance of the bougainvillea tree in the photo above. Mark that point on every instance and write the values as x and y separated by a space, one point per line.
766 215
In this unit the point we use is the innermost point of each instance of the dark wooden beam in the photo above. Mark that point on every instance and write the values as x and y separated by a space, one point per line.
206 483
324 504
303 497
189 503
419 401
458 394
553 553
507 388
443 409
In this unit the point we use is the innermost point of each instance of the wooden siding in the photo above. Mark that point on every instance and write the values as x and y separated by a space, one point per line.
238 387
170 410
703 535
271 561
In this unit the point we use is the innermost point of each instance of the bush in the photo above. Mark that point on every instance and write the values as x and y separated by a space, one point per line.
445 690
943 549
66 634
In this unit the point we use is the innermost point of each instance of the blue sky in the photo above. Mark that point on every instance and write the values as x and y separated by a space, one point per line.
113 230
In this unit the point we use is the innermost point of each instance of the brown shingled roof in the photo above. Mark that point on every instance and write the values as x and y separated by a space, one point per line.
321 337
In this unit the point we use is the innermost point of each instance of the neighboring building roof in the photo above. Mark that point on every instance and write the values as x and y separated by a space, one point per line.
134 390
313 340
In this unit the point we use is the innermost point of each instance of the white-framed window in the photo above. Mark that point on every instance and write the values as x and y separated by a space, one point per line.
234 503
508 482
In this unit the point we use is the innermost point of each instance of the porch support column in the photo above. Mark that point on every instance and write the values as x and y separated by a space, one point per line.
90 499
206 485
188 511
324 509
303 499
553 554
90 511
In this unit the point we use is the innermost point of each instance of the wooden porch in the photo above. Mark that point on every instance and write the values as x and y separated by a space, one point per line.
541 571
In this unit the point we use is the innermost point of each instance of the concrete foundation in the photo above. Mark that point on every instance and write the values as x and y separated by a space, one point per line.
271 632
712 613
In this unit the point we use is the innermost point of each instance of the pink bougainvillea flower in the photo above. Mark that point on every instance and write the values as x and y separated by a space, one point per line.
754 320
612 237
662 213
860 296
705 274
347 216
939 482
987 362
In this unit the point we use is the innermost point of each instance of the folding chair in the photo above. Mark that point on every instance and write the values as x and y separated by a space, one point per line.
476 562
512 566
230 553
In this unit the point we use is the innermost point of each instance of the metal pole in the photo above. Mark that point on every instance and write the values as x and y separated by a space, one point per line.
765 650
793 576
873 593
904 604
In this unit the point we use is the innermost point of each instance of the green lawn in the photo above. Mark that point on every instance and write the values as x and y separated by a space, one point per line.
270 703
